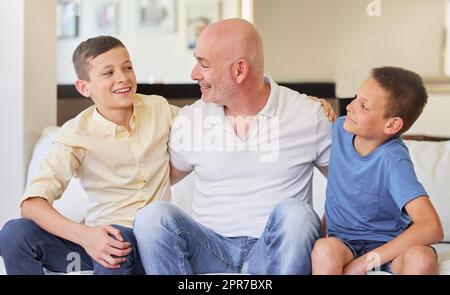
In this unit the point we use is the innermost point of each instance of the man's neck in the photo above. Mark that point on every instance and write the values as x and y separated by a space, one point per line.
249 102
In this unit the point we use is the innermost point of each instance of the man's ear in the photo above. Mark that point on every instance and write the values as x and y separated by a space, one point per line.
393 125
241 69
82 88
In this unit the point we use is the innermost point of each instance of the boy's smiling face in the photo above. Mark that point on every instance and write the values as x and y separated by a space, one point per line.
112 82
365 114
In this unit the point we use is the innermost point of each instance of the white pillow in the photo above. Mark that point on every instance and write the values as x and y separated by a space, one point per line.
73 202
432 165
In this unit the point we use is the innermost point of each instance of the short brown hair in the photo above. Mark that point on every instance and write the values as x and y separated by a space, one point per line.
406 94
91 48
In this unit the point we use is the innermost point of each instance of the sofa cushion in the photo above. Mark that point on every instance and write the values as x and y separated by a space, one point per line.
432 164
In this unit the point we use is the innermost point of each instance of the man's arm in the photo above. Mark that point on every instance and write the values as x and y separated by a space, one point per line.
95 240
324 171
177 175
426 229
327 108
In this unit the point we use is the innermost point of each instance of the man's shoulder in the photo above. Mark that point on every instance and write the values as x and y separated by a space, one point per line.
199 106
295 100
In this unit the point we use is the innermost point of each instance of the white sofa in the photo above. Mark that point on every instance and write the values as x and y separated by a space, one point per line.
431 160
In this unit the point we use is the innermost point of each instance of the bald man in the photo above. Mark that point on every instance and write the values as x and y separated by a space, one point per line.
252 145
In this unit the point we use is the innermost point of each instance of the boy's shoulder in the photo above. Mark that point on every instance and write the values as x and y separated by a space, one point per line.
396 149
151 100
75 127
157 103
338 126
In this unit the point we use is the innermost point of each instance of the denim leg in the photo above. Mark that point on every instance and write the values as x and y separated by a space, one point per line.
286 243
132 265
171 242
26 248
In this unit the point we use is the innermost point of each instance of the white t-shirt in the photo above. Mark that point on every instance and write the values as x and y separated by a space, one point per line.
238 183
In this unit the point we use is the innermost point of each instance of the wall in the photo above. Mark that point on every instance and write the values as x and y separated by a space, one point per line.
157 57
434 121
28 99
328 40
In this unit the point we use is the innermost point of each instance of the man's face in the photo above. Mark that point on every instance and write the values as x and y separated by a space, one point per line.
365 114
213 71
112 80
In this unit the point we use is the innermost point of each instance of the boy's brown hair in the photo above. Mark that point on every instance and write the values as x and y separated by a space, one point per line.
406 94
91 48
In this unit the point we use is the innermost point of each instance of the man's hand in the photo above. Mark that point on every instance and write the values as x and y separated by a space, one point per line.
105 245
327 108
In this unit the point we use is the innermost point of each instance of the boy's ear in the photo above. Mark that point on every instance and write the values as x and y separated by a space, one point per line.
82 88
393 125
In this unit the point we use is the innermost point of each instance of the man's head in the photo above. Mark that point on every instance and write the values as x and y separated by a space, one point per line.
105 72
229 53
387 104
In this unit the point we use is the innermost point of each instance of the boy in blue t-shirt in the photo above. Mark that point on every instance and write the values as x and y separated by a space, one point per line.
377 214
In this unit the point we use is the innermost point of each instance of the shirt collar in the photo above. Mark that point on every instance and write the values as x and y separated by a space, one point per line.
112 128
268 110
272 103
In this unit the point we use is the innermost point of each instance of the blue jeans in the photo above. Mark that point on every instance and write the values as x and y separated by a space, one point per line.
171 242
26 249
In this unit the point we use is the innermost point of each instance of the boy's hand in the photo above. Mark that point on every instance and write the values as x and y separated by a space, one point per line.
327 108
105 245
356 267
363 264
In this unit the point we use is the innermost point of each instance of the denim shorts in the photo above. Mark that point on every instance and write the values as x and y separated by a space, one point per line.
361 247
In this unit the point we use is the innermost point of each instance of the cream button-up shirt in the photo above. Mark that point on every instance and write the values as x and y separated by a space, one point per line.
121 171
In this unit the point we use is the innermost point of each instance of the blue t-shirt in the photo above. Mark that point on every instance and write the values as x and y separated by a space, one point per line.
366 196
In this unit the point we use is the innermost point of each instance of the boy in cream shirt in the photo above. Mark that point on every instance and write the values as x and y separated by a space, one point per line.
118 150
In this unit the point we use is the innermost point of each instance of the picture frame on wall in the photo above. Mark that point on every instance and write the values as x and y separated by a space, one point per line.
158 16
67 16
198 15
107 16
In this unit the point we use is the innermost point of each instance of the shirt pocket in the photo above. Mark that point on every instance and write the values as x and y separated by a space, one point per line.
367 198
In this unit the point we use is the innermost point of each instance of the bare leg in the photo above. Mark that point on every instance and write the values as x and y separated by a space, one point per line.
329 256
418 260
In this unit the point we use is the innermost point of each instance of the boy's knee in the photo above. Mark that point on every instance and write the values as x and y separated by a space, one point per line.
324 249
420 260
16 231
126 233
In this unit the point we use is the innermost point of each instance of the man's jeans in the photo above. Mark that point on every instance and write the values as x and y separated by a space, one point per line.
26 249
171 242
